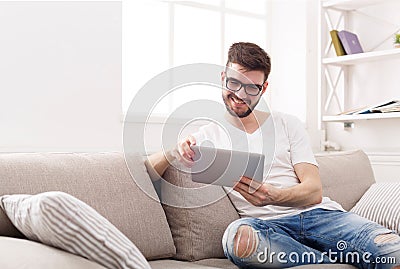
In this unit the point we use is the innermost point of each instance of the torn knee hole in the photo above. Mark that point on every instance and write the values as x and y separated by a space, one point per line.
245 242
386 238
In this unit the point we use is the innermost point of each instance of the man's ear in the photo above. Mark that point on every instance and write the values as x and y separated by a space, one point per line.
223 76
264 87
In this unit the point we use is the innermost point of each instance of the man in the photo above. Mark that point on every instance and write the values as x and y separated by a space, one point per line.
285 220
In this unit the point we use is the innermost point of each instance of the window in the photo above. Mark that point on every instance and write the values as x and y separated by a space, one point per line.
158 35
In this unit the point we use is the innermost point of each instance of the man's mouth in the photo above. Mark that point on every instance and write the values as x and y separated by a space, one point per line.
236 100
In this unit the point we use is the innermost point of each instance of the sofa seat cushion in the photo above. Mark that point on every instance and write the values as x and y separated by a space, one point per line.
219 263
60 220
101 180
21 254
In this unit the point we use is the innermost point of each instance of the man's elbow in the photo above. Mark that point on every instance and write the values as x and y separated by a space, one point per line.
151 171
317 197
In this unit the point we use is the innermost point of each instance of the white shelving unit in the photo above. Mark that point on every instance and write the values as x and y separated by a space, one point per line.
362 57
351 118
350 4
329 86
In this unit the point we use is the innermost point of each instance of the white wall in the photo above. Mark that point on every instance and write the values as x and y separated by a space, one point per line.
312 73
60 68
287 36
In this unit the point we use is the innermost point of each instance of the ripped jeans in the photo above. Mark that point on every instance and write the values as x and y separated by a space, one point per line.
315 236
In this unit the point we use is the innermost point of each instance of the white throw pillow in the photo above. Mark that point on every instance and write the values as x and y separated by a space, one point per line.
61 220
381 203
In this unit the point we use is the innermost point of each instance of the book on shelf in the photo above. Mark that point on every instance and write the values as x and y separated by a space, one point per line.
384 107
350 42
336 43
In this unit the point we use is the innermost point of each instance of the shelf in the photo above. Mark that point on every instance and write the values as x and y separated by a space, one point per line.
371 116
363 57
351 4
334 86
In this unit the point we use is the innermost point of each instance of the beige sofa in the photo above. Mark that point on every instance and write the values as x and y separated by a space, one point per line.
169 237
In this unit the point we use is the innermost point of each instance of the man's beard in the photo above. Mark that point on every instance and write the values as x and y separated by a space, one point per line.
250 107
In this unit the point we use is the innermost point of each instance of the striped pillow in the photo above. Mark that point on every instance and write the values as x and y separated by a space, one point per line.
61 220
381 203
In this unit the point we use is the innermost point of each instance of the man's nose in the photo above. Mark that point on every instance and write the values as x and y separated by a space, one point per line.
241 93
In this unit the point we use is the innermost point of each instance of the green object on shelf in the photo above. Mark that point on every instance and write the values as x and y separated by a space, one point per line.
397 39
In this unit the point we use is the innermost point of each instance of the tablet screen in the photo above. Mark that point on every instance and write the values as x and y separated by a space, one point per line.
225 167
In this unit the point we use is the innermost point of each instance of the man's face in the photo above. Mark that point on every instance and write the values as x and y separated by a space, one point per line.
239 103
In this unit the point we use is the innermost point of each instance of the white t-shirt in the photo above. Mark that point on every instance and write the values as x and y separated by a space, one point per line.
281 134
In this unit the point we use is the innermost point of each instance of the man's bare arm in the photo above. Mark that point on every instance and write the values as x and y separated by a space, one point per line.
158 162
308 192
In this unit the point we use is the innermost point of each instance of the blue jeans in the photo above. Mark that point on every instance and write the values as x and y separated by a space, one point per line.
315 236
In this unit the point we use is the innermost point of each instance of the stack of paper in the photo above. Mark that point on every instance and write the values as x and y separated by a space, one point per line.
394 107
385 107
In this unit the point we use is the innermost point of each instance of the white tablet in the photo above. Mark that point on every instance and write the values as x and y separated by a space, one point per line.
224 167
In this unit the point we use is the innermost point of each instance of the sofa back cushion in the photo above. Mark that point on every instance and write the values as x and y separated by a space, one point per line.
345 176
198 215
101 180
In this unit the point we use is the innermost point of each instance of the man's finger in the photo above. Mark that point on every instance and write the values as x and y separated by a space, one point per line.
255 197
253 184
188 163
192 140
186 151
245 188
249 197
189 150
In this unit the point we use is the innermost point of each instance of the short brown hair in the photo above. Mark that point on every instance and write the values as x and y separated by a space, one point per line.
250 56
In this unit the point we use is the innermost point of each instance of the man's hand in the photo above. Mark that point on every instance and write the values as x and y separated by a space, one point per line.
157 163
257 193
183 153
307 192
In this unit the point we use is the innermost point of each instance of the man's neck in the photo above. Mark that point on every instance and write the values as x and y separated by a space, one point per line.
250 123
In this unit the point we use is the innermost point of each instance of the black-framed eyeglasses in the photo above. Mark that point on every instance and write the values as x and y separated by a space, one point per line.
235 85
